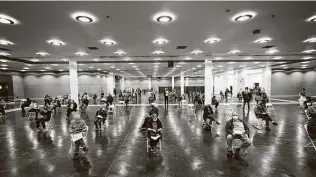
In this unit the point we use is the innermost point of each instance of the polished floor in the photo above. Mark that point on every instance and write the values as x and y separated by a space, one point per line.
187 151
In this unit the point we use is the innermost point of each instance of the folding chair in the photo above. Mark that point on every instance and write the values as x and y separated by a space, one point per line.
111 113
228 109
312 143
270 108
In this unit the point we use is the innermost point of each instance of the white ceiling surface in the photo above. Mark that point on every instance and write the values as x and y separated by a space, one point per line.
131 25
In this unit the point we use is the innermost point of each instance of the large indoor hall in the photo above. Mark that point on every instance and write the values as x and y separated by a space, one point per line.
157 89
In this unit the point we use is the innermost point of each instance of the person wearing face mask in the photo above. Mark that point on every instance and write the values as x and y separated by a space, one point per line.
154 128
261 112
153 110
100 116
208 117
237 128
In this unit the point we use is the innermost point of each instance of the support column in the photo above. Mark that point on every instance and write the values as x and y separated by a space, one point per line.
186 81
73 77
266 80
110 83
149 82
208 81
172 83
122 83
182 82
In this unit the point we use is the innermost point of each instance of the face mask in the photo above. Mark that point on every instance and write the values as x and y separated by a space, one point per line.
235 117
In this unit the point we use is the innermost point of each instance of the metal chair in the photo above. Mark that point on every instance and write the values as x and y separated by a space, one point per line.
111 113
270 108
159 144
228 109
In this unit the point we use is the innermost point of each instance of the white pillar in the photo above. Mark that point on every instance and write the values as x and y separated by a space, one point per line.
122 83
186 81
149 82
172 82
241 80
266 80
110 83
182 82
208 79
73 74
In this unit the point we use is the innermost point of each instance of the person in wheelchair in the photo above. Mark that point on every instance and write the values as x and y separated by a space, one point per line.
34 108
262 113
311 123
236 129
208 117
100 116
154 128
78 126
308 99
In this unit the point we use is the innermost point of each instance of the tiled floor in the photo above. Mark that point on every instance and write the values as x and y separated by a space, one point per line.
120 150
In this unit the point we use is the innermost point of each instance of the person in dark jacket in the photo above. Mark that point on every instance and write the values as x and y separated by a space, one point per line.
2 106
261 112
27 103
215 102
247 97
109 99
47 99
100 116
72 107
237 128
208 117
311 124
154 128
153 110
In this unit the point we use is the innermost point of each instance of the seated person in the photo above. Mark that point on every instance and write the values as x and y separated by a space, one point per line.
72 107
303 93
258 97
27 103
65 97
47 99
78 126
311 111
261 112
215 102
85 99
100 116
34 108
236 128
2 106
46 112
151 98
103 101
264 98
153 110
126 99
208 117
311 124
154 127
56 104
309 99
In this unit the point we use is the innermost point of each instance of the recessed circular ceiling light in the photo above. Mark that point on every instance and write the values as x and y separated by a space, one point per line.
5 42
188 58
96 59
234 51
81 54
158 52
108 42
304 65
157 59
34 60
218 58
56 42
4 54
64 59
47 67
61 70
212 40
309 51
244 16
277 57
98 69
312 18
305 62
22 70
199 66
81 64
43 54
120 52
42 70
196 52
164 17
4 65
7 20
310 40
26 68
127 59
112 67
263 40
160 41
54 64
4 68
84 17
272 51
248 58
307 58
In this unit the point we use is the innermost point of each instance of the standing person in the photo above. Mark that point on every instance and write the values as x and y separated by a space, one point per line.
166 94
85 99
47 99
78 126
222 95
226 94
247 97
95 96
303 93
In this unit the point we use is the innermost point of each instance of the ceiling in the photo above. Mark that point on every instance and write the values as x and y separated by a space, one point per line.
132 26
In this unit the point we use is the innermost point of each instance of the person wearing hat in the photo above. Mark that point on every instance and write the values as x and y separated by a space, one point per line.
236 128
261 112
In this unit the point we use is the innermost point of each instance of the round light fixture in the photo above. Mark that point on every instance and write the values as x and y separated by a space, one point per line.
81 54
244 16
96 59
212 40
4 65
272 51
5 42
56 42
120 52
84 17
218 58
34 60
263 40
312 19
188 58
25 68
61 70
164 17
4 54
7 20
54 64
127 59
160 41
248 58
22 70
310 40
108 42
307 58
42 70
4 68
64 59
309 51
158 52
234 51
157 59
98 69
43 54
277 57
196 52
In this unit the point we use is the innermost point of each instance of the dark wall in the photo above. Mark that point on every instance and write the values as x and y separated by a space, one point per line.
7 86
291 83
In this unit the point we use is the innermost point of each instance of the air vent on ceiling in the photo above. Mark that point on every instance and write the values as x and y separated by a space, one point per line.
181 47
257 31
4 49
93 48
267 46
